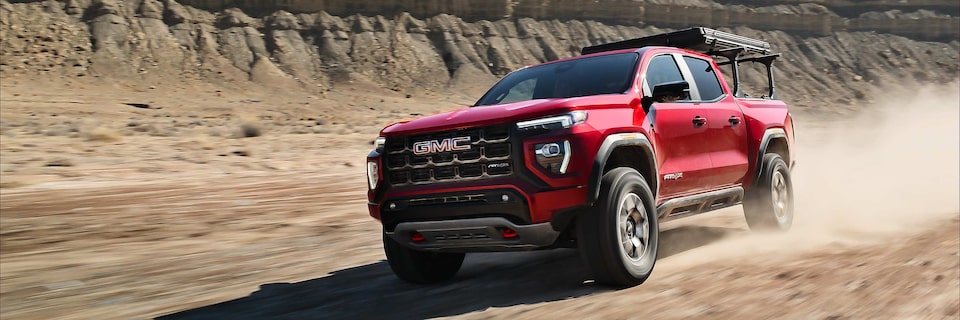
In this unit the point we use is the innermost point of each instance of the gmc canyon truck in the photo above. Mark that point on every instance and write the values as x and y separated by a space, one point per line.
590 152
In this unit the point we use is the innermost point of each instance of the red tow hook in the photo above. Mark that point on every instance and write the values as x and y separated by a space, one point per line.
417 237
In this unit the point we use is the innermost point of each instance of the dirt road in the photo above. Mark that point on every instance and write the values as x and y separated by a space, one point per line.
191 225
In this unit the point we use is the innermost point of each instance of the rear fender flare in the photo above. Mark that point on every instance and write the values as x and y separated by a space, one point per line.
768 135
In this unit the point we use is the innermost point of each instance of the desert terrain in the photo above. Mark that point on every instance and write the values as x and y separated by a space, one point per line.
217 192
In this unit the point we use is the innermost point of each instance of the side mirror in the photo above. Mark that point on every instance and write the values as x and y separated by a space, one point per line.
666 92
677 90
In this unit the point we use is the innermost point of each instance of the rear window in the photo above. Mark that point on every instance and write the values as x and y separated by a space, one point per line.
608 74
705 78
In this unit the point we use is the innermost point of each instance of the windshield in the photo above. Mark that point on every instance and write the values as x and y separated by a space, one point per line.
608 74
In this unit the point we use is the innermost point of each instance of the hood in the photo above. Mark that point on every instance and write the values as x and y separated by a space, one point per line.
510 112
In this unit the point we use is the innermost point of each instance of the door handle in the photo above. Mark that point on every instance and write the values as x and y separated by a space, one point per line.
734 120
699 121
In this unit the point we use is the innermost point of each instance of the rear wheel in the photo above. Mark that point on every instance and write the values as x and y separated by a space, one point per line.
768 205
618 240
421 266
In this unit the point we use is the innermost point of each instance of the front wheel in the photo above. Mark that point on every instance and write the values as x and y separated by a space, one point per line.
421 266
618 240
768 205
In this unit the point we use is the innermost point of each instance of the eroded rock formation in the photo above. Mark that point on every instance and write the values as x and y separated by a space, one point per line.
149 39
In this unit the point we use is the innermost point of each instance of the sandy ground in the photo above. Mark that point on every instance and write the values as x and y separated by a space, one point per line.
163 209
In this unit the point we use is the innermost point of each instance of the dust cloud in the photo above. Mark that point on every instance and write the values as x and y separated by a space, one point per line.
888 172
893 168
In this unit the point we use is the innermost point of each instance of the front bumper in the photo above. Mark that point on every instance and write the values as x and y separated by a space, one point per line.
524 205
478 234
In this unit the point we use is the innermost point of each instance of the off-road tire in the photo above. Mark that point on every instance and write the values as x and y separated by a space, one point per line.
602 232
421 266
768 204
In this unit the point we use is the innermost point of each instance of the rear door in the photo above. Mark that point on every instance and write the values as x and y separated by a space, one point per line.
679 131
726 127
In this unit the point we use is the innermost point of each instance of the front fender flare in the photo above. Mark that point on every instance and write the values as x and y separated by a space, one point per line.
611 143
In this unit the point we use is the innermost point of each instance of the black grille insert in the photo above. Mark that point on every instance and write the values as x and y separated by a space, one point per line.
472 153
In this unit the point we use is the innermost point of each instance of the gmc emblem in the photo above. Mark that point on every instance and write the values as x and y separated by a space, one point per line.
443 145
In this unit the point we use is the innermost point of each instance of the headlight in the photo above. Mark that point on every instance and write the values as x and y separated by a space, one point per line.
553 156
373 174
565 120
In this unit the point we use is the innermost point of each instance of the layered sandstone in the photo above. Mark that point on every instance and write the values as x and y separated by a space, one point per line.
153 40
927 19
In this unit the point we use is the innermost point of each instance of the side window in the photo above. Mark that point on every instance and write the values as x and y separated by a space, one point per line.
662 69
705 77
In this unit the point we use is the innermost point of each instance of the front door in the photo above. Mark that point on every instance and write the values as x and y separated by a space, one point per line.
680 132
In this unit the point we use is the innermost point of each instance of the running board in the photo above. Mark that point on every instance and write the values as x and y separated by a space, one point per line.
699 203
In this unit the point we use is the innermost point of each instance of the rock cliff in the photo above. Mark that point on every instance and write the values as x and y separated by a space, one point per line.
154 39
926 19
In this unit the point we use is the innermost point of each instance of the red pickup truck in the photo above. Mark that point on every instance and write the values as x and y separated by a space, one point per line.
590 152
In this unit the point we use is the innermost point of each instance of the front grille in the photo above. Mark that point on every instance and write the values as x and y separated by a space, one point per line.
444 156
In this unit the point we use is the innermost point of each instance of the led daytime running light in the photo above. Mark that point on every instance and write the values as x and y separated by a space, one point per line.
565 120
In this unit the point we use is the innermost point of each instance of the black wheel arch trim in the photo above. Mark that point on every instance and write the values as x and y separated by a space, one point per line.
611 143
768 135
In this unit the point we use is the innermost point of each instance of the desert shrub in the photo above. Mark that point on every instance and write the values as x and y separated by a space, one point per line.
249 130
60 162
103 134
56 131
300 130
11 184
